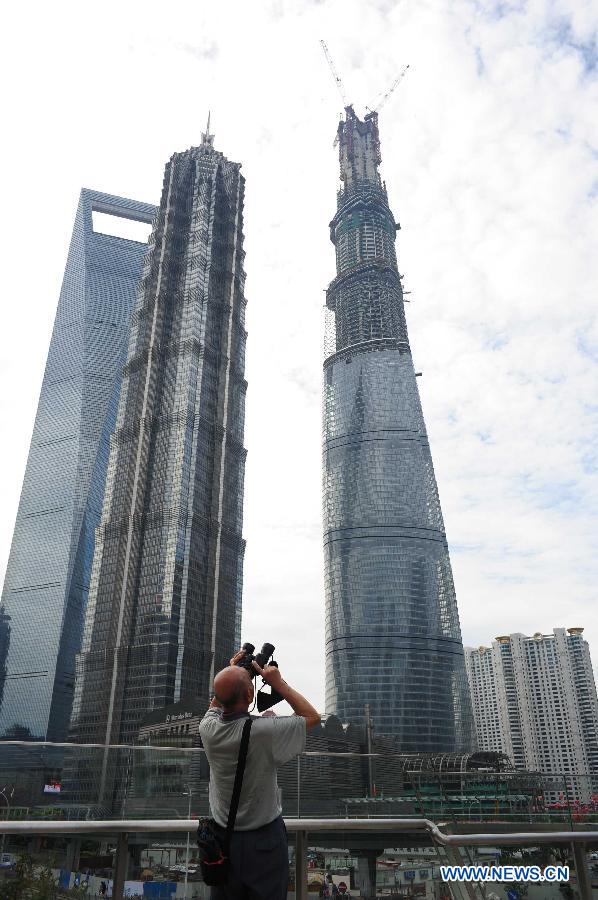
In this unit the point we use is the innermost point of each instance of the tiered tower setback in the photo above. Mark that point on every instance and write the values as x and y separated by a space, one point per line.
165 597
393 640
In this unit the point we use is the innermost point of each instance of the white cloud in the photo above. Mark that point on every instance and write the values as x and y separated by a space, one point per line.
490 154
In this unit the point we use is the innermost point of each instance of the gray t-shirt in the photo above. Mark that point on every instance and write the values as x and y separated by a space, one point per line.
273 741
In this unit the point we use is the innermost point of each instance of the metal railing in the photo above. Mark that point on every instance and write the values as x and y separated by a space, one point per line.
303 827
153 781
49 788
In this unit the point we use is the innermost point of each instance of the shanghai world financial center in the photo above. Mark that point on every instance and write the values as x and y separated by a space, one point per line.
49 568
123 589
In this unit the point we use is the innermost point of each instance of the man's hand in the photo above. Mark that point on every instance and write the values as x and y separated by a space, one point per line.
271 675
239 655
299 705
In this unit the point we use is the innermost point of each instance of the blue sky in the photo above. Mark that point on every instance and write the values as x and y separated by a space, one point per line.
490 155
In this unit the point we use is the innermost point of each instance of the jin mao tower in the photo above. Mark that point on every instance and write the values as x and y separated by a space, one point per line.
393 639
165 596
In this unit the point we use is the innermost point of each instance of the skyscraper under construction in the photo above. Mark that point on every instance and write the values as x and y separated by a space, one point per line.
393 640
165 596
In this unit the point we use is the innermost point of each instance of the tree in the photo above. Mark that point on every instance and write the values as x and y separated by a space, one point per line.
29 883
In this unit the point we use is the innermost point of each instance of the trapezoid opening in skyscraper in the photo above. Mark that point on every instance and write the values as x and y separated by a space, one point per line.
393 639
49 568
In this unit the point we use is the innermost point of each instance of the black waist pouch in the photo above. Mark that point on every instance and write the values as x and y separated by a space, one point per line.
213 840
213 852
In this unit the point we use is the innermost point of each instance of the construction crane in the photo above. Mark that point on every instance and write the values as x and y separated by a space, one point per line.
335 74
390 90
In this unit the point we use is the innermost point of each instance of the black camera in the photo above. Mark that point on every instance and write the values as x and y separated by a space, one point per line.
263 658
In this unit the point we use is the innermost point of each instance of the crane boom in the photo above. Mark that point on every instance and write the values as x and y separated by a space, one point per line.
335 74
391 89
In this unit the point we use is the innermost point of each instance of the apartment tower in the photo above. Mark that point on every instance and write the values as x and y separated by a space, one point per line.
534 698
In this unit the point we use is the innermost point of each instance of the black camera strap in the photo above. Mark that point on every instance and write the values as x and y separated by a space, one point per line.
234 803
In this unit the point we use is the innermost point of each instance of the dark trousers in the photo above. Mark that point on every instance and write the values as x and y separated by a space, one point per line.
259 863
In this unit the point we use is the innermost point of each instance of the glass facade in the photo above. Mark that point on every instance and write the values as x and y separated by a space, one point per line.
48 574
165 596
393 640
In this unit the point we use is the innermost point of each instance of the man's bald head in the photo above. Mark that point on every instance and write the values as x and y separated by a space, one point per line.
233 688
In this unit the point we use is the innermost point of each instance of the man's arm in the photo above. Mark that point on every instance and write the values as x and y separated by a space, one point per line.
298 703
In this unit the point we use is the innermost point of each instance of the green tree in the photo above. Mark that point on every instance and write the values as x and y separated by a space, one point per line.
567 891
30 882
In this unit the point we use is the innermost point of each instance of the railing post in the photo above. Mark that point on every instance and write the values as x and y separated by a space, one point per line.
584 884
73 853
301 865
120 866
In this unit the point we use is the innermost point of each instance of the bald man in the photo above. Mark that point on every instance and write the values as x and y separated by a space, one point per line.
258 853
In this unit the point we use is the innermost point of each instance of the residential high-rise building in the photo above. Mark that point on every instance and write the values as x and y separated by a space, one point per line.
165 596
48 573
534 698
489 713
393 640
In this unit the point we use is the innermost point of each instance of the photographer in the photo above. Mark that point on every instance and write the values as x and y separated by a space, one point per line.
258 850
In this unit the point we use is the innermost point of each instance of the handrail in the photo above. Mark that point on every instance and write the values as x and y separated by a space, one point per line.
422 826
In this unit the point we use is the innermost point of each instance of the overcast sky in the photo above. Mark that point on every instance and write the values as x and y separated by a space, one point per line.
490 156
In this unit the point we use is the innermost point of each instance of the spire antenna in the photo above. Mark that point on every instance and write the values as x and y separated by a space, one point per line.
207 139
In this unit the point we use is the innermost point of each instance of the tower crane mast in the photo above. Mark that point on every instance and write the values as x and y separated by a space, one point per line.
391 89
335 74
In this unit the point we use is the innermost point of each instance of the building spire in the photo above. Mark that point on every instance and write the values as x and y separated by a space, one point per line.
207 139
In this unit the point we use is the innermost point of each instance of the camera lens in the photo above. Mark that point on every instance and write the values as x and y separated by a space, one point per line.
264 655
249 648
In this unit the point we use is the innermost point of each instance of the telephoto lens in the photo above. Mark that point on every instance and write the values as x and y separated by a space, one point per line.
264 655
245 661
